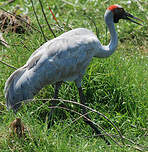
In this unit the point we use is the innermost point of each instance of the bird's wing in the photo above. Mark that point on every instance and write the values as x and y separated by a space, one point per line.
61 59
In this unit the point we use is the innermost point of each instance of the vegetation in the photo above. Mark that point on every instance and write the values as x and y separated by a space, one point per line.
116 86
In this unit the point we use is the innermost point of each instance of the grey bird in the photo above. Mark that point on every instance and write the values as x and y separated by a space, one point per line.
64 58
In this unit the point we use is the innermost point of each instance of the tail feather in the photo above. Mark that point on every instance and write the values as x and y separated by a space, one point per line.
14 95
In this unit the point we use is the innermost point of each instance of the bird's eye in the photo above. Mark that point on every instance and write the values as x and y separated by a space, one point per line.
121 10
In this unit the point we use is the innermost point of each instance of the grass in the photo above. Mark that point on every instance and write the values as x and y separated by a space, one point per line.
116 86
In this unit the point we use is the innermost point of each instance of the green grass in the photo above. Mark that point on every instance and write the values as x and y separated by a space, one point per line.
116 86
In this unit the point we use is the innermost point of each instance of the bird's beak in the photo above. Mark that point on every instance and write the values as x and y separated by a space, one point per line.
127 15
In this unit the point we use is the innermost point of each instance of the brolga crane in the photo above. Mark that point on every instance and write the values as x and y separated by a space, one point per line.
64 58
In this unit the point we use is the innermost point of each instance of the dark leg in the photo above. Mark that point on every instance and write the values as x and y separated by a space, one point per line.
94 127
56 91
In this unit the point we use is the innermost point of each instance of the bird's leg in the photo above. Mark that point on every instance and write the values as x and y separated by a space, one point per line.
56 91
84 110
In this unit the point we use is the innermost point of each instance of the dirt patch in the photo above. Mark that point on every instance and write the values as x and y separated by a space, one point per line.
13 23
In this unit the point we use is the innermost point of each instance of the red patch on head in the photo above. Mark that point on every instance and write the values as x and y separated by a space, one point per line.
113 7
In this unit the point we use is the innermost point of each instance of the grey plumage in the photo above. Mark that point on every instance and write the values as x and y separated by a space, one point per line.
64 58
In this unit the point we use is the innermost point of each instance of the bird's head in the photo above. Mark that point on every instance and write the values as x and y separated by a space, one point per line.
119 13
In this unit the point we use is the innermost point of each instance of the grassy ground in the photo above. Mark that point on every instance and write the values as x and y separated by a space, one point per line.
116 86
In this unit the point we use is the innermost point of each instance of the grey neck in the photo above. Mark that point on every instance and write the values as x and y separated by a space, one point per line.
106 51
